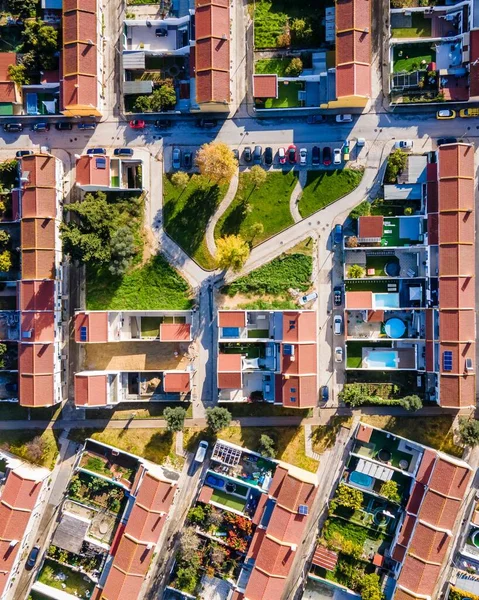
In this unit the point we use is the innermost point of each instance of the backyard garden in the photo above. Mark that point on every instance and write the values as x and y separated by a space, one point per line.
325 187
65 579
420 27
102 466
412 57
96 492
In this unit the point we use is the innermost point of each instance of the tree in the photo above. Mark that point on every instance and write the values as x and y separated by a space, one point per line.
469 431
389 490
218 555
356 272
187 579
22 8
41 46
174 417
352 395
255 230
180 179
18 74
412 402
370 587
217 162
301 29
284 39
408 211
163 98
295 67
35 450
217 418
122 249
397 162
8 173
5 261
361 210
232 252
352 242
266 446
257 176
196 514
142 104
189 544
349 497
4 237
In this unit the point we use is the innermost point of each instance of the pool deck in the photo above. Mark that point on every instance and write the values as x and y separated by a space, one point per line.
405 358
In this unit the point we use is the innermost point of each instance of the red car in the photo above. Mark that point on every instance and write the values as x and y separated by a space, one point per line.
137 124
292 153
327 156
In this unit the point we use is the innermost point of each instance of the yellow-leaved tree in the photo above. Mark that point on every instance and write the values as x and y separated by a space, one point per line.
232 252
217 162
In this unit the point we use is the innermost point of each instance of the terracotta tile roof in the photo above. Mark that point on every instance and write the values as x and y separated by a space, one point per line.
231 318
146 525
456 261
36 359
37 295
212 20
79 26
304 389
212 86
274 558
426 466
179 382
406 531
324 558
20 492
80 54
175 332
457 390
38 264
265 86
457 325
229 362
123 585
91 390
41 171
456 160
290 492
230 381
36 389
429 544
455 194
459 354
419 577
262 586
258 513
370 227
6 59
286 525
456 292
415 498
359 300
352 15
299 326
38 326
205 494
88 173
80 91
398 553
96 324
39 202
456 228
256 543
364 433
304 361
439 511
38 234
450 479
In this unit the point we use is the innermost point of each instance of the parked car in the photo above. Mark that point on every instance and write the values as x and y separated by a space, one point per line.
41 127
446 114
63 126
315 119
161 32
86 125
404 145
201 452
338 354
292 154
258 155
448 140
337 160
187 160
361 142
32 558
20 153
326 156
303 156
469 112
163 123
96 151
344 118
308 298
207 123
268 156
123 152
338 325
337 234
281 156
324 393
346 151
176 158
137 124
235 152
247 154
12 127
338 295
316 155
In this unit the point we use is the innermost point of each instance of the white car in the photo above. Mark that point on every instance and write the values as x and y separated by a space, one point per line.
303 155
281 156
403 145
344 118
309 298
338 354
337 156
338 325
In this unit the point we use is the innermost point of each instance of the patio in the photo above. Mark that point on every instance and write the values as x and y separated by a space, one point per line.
402 231
103 524
394 451
288 96
371 324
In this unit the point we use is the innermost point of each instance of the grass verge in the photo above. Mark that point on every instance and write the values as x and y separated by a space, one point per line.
267 204
157 445
154 411
272 66
187 212
289 442
323 437
325 187
436 432
34 445
155 286
263 409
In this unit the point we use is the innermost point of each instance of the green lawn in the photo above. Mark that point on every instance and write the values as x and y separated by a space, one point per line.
228 500
324 187
287 95
36 446
272 66
267 204
421 27
76 583
155 286
412 56
187 212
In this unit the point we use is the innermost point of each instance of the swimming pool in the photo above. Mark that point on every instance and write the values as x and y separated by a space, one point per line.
361 479
394 328
386 300
231 332
383 359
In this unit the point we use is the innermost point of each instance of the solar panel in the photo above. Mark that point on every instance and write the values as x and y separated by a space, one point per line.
303 509
83 332
447 360
101 163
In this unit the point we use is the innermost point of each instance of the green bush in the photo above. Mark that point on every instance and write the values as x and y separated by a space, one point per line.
358 394
469 431
361 210
396 164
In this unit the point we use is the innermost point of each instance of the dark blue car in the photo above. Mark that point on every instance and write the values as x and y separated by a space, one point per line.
337 234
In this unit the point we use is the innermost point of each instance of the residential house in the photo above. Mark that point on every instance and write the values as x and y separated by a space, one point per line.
268 356
101 172
10 98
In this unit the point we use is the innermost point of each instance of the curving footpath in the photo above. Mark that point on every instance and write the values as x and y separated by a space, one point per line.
222 208
295 196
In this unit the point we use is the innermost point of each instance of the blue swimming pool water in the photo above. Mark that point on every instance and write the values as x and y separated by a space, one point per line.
394 328
216 482
361 479
231 332
382 359
386 300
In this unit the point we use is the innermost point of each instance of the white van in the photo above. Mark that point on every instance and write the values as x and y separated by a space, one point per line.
201 452
344 118
338 325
